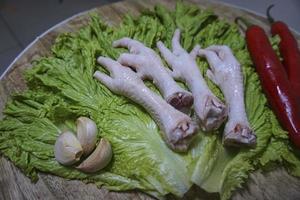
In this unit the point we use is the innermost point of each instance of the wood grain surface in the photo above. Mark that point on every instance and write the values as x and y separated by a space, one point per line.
14 185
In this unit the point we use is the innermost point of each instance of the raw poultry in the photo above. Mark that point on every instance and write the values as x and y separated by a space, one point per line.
209 109
226 73
148 65
177 128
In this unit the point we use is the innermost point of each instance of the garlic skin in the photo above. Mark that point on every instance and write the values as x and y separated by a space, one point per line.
86 134
67 149
98 159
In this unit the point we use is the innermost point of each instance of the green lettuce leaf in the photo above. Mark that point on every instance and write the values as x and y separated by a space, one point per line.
61 88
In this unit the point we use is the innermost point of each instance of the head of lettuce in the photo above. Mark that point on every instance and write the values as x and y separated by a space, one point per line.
61 88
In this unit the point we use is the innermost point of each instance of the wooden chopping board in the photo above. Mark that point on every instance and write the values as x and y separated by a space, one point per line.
276 184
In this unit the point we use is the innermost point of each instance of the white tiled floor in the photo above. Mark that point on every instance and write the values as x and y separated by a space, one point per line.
22 20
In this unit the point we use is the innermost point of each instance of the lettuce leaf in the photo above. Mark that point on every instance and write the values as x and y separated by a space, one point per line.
61 88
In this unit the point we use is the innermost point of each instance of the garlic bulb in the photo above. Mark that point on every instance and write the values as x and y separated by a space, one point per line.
86 134
67 149
98 159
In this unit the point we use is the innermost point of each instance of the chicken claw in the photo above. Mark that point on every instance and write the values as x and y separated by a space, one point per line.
209 109
177 128
148 65
226 73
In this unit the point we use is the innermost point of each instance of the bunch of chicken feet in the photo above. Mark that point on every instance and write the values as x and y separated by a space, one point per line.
148 65
177 128
209 109
226 73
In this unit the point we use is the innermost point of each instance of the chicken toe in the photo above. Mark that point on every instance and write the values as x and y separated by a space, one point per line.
210 110
148 65
176 127
226 73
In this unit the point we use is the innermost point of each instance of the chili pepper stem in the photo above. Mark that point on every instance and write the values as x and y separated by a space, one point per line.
243 23
269 16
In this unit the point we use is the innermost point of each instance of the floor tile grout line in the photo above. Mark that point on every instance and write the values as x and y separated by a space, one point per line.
11 31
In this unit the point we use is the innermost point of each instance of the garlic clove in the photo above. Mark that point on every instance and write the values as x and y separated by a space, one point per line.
98 159
86 134
67 149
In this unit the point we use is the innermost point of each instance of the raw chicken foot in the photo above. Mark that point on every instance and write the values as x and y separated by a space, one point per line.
210 110
177 128
148 65
226 73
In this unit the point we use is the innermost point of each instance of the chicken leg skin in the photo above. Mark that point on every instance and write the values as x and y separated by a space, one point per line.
177 128
148 65
209 109
226 73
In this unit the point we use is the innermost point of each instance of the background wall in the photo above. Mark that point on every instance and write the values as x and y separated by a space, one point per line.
285 10
21 21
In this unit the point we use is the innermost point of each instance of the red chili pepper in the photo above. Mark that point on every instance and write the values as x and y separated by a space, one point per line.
274 81
289 51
